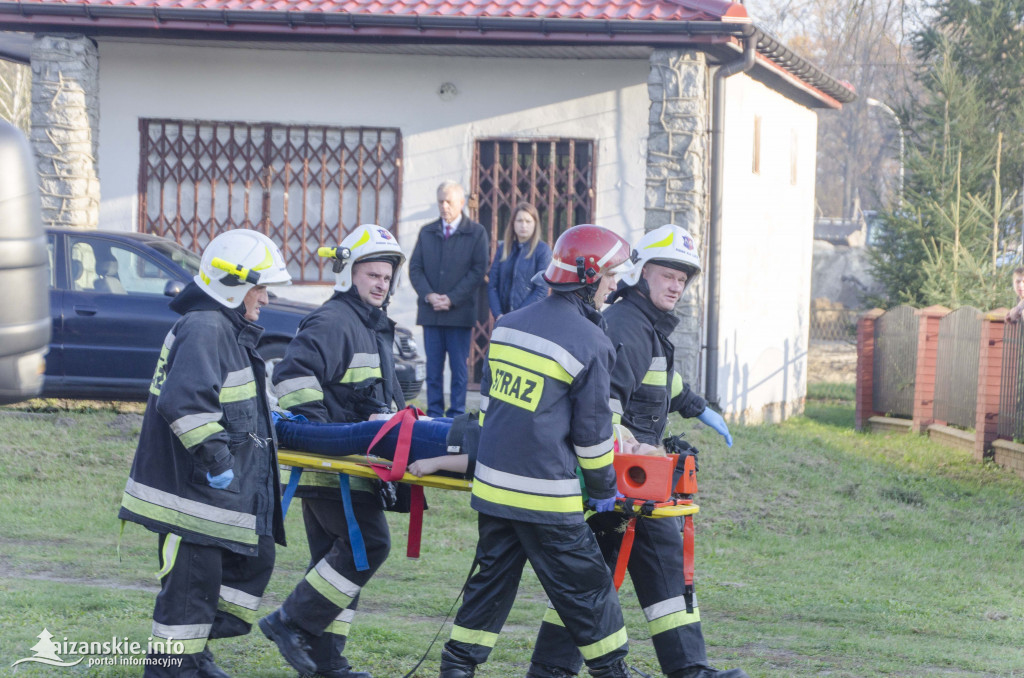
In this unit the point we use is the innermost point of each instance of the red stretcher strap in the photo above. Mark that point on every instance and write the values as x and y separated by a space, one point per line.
624 550
406 418
412 547
688 550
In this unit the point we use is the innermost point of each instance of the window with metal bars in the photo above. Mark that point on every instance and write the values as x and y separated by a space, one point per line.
556 175
301 185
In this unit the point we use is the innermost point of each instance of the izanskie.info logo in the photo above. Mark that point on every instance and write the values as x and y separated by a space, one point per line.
113 652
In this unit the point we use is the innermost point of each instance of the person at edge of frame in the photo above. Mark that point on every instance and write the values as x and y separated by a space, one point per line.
204 477
645 389
339 368
544 412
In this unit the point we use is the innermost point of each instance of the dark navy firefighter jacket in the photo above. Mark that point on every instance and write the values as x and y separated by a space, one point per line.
207 412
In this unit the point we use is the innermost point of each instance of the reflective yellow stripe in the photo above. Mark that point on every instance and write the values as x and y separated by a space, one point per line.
194 646
168 554
338 628
533 502
597 462
656 378
243 613
605 645
300 397
531 361
464 635
160 373
320 579
188 522
616 418
232 394
677 384
200 433
674 620
482 413
358 374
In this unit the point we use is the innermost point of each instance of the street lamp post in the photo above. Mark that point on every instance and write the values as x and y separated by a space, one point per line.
899 128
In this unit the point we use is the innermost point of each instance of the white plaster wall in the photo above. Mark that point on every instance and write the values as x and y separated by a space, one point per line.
605 100
767 243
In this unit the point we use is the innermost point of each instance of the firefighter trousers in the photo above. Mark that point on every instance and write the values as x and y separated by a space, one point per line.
324 603
568 564
205 592
656 569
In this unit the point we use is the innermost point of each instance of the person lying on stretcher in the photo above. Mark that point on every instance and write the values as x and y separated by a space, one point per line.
439 446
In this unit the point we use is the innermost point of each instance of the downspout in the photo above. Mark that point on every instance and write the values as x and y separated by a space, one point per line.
712 271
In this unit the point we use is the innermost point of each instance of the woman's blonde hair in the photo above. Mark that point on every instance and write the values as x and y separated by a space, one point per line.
510 230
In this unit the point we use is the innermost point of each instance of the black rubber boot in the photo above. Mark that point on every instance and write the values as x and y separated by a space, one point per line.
707 672
545 671
207 667
292 642
616 670
453 667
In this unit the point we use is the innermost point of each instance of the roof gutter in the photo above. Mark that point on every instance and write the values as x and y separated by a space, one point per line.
713 270
41 16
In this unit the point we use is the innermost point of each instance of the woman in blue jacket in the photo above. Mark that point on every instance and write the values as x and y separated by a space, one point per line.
520 256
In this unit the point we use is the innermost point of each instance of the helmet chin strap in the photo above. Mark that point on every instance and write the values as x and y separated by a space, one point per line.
587 293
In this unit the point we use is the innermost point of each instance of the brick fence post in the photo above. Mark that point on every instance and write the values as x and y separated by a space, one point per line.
924 376
990 381
866 367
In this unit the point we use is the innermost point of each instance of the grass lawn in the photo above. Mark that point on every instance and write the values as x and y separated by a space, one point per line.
820 552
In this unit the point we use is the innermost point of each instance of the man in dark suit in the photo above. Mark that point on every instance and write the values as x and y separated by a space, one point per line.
447 267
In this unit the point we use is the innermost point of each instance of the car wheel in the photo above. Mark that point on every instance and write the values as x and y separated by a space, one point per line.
272 353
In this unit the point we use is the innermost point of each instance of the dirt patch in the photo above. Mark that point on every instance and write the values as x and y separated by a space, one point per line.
833 362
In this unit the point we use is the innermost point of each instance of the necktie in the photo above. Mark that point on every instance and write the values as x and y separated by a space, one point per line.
447 231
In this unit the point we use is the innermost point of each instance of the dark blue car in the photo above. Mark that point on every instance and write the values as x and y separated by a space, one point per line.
109 292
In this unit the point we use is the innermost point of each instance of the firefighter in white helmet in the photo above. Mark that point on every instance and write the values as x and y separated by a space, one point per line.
645 388
544 410
339 368
205 474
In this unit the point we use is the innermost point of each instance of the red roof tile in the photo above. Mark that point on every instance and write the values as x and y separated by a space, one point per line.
638 10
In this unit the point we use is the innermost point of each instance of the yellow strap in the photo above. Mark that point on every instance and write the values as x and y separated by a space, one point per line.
168 554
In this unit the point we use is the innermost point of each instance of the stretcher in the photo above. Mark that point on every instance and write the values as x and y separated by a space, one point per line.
359 465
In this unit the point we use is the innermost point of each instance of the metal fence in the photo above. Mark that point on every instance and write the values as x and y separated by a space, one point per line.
1011 392
895 362
834 324
956 367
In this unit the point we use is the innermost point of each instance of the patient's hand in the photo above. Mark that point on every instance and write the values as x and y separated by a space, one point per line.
424 467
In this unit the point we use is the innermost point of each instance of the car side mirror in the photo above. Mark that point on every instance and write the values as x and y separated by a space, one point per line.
173 288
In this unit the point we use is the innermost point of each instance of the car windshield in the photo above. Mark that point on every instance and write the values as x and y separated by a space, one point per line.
187 259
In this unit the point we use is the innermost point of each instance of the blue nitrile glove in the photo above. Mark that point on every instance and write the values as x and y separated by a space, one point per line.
715 421
285 415
219 482
605 505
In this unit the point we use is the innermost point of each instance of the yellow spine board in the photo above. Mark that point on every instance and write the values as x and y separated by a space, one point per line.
357 465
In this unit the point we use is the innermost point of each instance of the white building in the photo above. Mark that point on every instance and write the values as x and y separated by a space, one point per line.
184 118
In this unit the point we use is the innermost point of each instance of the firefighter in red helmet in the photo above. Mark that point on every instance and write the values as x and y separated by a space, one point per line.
545 410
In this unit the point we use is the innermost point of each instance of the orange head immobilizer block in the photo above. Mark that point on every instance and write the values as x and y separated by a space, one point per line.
645 477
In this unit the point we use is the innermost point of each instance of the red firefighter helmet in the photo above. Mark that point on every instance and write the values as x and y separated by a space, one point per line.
583 254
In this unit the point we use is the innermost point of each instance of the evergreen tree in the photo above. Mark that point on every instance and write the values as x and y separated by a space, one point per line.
941 245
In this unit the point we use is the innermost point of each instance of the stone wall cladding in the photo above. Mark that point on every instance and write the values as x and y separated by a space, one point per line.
65 128
677 166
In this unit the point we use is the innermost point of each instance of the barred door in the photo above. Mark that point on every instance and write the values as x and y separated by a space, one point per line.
301 185
557 175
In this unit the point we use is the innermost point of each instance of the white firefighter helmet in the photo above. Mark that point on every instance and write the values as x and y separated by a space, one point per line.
236 261
368 242
667 245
